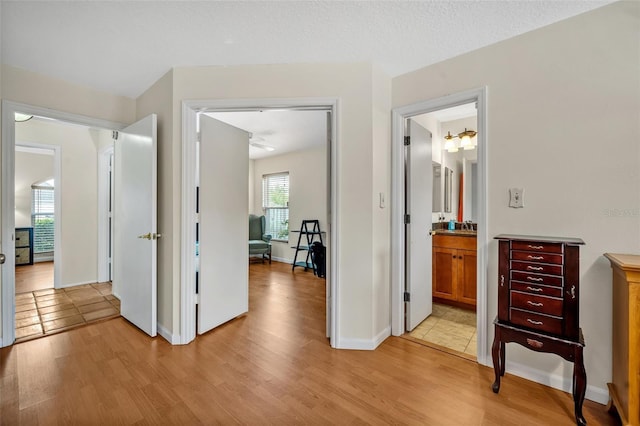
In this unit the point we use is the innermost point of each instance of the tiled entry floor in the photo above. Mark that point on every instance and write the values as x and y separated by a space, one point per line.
450 327
44 312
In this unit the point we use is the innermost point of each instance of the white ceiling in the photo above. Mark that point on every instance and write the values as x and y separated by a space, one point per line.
285 131
123 47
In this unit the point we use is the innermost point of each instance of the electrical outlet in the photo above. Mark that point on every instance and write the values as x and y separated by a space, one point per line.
516 197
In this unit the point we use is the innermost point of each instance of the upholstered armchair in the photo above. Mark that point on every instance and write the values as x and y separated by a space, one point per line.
259 242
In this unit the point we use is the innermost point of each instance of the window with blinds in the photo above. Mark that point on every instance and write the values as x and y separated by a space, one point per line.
42 216
275 203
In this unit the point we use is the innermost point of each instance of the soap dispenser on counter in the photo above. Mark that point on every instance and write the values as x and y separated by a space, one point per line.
452 225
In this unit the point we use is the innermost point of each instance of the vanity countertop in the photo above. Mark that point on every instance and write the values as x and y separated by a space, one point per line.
456 232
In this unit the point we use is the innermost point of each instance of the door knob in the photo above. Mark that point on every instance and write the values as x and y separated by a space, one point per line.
146 236
2 258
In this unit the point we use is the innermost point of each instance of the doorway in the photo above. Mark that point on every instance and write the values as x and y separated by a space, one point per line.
451 324
80 271
37 211
399 257
191 109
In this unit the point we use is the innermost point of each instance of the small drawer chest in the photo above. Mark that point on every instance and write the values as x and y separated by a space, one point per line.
24 246
538 303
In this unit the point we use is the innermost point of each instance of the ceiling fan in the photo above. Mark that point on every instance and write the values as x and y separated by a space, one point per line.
256 142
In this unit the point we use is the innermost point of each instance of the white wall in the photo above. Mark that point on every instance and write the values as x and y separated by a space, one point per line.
363 272
307 192
79 214
158 99
563 108
30 168
252 206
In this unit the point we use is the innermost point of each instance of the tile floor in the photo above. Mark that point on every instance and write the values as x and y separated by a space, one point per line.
451 327
44 312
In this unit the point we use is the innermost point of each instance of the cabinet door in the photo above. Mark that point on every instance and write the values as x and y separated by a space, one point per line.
467 285
444 273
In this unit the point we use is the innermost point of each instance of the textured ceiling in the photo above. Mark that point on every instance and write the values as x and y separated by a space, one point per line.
123 47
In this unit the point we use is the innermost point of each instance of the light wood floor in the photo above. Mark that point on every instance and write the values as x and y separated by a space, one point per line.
38 276
271 366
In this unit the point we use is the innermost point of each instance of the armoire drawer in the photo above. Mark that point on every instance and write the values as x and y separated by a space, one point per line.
536 321
528 256
541 304
526 277
540 290
537 246
536 268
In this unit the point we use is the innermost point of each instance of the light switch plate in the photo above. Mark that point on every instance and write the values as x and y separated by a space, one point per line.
516 197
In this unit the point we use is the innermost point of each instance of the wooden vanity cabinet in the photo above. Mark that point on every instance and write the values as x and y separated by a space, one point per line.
454 268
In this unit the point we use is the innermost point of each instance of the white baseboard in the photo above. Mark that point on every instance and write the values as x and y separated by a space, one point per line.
594 393
76 284
364 344
283 260
174 339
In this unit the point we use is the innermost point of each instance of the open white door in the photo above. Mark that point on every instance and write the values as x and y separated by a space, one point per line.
224 228
419 187
134 223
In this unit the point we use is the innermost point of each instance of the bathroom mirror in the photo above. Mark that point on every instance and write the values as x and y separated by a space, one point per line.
437 188
448 183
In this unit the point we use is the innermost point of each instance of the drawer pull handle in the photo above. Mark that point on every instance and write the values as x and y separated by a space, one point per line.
534 279
535 268
573 291
536 247
535 257
501 280
534 343
538 289
534 322
538 304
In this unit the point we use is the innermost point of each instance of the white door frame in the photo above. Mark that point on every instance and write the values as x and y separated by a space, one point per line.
105 234
57 204
398 117
7 222
190 110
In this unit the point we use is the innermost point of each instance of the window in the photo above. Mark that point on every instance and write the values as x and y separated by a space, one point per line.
42 216
275 202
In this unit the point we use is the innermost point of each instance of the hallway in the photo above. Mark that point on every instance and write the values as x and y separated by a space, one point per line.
273 365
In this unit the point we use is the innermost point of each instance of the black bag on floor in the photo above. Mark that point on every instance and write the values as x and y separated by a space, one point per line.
318 255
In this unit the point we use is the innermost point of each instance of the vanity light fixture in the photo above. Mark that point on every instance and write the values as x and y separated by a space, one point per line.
467 140
19 117
450 145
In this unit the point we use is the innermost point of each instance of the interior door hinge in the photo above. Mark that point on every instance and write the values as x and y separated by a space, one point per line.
407 140
407 296
114 135
407 219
